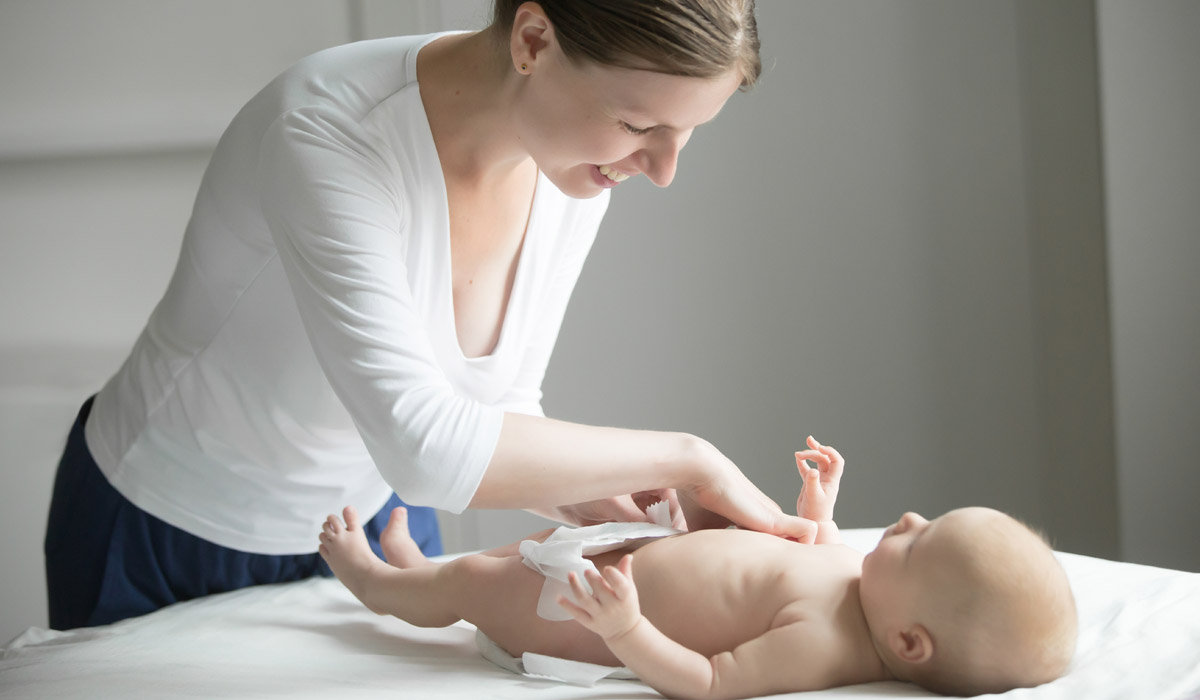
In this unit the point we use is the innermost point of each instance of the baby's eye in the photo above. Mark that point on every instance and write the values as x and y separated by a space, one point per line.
633 129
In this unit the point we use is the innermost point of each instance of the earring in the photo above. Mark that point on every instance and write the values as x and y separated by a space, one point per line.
524 67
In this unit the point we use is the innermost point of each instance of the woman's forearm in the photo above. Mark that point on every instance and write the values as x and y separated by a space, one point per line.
542 462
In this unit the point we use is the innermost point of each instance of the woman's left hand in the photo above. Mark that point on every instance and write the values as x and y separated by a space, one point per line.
630 508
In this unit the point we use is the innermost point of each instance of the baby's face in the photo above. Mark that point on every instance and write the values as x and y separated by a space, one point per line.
891 578
976 581
902 565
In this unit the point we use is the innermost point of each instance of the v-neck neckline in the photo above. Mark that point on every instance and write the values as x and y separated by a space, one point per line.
446 262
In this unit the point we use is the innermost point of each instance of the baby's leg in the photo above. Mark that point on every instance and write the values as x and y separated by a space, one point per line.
497 594
411 594
401 550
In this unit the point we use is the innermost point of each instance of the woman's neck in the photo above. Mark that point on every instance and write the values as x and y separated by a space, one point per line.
468 86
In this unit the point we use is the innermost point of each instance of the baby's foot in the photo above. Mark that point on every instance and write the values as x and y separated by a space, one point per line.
345 549
399 548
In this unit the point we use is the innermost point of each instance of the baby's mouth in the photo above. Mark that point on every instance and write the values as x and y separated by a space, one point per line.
613 174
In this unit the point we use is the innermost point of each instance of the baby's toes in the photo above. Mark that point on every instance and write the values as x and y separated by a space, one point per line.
350 513
333 525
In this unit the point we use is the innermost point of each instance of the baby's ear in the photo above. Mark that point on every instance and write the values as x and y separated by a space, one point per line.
913 645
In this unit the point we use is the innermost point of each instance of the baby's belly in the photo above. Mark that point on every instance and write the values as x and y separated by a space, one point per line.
710 590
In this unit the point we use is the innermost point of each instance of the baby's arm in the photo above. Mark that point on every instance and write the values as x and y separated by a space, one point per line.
785 659
819 493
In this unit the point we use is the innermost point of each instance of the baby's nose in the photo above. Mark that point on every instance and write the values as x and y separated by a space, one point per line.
910 519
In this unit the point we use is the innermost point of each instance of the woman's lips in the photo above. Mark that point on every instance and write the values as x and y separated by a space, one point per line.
601 179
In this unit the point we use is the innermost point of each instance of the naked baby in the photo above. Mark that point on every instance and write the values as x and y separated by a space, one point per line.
971 602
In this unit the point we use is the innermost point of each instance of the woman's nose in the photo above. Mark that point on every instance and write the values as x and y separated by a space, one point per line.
659 160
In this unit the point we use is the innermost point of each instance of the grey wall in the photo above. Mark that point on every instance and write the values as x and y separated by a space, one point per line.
900 242
844 253
1149 59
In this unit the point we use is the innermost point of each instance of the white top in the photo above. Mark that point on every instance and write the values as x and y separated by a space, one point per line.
304 356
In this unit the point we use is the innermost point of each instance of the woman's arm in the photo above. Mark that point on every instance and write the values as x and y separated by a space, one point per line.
545 462
330 198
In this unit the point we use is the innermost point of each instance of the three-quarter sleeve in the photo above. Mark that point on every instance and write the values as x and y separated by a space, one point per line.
334 206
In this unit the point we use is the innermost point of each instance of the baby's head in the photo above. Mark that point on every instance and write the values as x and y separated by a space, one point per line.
972 602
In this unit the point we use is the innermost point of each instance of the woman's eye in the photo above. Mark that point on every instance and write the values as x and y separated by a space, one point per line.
633 129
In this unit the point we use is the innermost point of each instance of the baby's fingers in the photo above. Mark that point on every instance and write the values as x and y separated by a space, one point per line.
832 461
838 461
578 613
583 597
618 578
826 449
803 456
601 590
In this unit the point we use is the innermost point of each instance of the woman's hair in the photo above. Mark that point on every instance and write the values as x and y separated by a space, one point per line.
692 38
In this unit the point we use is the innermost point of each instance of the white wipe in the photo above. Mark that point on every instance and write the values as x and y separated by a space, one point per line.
564 551
561 553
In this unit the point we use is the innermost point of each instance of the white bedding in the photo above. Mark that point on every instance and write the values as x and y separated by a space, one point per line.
1139 639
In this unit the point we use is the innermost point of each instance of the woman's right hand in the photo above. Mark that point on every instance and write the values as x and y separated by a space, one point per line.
542 463
721 495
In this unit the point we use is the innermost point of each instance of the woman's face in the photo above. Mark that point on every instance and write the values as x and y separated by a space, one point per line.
575 121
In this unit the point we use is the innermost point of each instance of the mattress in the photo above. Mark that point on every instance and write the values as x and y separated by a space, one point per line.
1139 638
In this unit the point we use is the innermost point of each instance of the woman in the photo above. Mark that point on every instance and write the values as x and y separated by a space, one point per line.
369 289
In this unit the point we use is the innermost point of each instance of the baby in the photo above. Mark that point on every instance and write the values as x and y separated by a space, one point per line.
972 602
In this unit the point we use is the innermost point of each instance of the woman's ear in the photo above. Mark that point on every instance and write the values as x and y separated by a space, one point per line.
531 34
913 645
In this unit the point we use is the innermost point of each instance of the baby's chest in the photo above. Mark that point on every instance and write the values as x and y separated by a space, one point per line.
712 602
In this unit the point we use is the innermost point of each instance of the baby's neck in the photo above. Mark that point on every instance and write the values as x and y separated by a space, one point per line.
869 648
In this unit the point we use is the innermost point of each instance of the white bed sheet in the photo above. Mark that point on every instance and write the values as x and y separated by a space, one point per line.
1139 639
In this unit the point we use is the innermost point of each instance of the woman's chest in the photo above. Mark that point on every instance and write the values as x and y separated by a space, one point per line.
487 236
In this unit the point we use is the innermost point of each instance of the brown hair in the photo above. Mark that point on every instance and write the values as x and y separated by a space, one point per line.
692 38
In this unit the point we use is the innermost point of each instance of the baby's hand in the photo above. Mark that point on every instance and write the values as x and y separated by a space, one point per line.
611 609
820 489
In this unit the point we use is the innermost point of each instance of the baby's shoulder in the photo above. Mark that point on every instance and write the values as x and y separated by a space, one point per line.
838 556
816 575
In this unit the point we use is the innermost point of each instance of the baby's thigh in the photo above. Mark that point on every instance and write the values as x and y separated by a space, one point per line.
499 595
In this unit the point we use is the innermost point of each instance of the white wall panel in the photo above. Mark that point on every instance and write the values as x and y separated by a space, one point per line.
83 76
88 245
382 18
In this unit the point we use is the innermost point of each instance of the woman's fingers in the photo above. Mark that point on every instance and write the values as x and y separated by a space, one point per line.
810 532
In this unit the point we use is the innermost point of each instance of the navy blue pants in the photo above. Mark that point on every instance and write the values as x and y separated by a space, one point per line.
107 560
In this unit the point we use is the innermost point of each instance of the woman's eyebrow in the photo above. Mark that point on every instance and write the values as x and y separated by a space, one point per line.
640 115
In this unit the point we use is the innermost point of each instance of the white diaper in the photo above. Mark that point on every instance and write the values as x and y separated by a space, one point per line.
561 553
548 667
